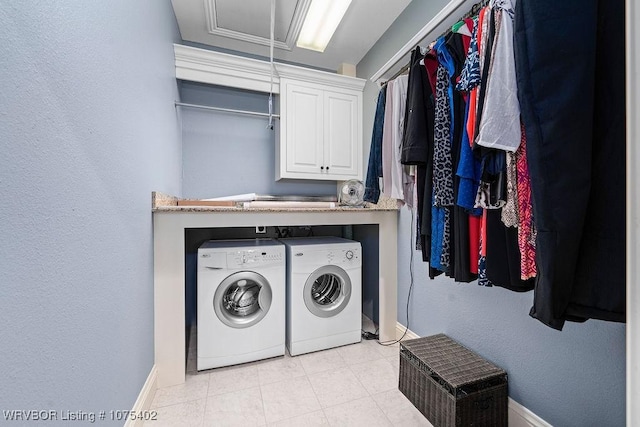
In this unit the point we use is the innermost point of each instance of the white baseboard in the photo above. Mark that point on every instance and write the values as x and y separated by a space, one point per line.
400 329
519 416
143 402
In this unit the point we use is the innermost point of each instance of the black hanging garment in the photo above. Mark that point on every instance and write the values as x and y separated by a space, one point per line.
417 143
570 62
460 256
503 255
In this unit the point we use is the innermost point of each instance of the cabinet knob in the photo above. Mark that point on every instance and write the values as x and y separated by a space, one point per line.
327 167
321 167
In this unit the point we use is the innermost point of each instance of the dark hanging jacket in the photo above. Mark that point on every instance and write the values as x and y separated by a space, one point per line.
374 170
570 65
417 144
417 141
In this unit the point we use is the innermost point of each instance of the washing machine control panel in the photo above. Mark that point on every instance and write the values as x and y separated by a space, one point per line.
254 257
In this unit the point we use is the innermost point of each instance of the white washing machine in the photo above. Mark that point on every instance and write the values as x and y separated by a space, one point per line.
324 293
241 301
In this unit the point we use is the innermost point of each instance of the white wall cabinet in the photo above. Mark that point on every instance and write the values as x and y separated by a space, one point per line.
321 135
321 113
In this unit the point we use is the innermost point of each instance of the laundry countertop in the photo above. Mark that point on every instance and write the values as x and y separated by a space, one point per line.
166 203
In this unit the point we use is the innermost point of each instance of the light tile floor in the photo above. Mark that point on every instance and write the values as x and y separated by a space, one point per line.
354 385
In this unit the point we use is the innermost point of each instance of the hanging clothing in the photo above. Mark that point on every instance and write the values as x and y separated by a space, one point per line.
503 255
461 258
418 136
417 145
447 137
438 218
408 185
445 254
423 228
492 192
431 65
387 141
500 122
483 280
468 172
474 243
510 209
428 233
467 31
374 169
486 49
399 105
470 76
526 228
420 114
442 164
457 46
573 110
442 173
474 75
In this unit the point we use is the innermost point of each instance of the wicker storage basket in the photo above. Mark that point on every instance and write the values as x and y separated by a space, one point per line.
451 385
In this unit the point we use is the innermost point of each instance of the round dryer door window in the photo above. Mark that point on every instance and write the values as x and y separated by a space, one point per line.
242 299
327 291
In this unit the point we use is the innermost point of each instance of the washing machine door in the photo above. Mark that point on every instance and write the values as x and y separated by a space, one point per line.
242 299
327 291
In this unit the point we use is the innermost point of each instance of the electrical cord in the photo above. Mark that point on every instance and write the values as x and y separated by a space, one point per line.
283 232
392 342
369 336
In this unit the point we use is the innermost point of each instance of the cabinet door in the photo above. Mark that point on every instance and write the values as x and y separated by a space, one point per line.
303 129
342 135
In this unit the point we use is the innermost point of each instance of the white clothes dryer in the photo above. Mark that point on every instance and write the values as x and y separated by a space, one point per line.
241 301
324 293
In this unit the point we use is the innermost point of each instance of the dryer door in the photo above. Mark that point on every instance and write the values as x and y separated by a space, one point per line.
242 299
327 291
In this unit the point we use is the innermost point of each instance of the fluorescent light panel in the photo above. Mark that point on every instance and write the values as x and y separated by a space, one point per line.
321 22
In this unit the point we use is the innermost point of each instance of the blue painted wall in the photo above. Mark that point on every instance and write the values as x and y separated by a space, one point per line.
88 130
571 378
225 154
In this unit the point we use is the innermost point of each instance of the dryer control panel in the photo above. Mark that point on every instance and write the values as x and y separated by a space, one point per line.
344 257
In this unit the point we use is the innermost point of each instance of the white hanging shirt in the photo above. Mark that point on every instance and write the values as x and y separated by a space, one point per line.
500 121
399 102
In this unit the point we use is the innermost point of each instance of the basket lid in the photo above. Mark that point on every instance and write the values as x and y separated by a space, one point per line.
450 361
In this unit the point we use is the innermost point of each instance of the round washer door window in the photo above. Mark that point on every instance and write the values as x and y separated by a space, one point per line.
242 299
327 291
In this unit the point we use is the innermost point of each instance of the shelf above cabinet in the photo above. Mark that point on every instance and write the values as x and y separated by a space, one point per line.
320 136
207 66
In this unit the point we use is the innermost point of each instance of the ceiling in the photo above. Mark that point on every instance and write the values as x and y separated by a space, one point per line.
244 26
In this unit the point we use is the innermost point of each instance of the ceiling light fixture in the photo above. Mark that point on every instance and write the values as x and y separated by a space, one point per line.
321 22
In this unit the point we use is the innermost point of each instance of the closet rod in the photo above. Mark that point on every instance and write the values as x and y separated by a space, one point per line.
475 9
226 110
398 73
442 17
